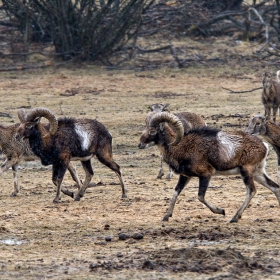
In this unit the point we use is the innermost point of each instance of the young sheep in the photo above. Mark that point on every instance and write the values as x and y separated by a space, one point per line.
205 152
17 150
271 94
270 131
68 139
189 121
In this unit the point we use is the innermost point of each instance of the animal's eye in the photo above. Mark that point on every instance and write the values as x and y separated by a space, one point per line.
153 132
28 126
258 124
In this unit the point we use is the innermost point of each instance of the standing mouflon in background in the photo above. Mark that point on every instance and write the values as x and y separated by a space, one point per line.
260 126
205 152
271 94
68 139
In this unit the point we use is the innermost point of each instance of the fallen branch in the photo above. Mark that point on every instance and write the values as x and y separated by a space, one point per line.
25 67
243 91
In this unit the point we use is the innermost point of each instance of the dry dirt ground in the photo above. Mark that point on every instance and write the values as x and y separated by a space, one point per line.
104 237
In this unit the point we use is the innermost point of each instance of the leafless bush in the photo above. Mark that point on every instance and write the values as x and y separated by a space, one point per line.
86 28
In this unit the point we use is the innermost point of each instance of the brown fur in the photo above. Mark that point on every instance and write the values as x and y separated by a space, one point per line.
270 131
189 121
70 139
17 150
205 152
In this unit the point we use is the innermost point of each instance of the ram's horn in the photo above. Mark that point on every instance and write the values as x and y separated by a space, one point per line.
32 114
171 119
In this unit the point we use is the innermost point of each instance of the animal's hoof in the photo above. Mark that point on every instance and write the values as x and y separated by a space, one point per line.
124 196
165 219
77 198
223 212
56 201
13 194
233 221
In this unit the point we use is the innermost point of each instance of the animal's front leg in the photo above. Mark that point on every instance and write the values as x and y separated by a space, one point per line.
183 180
58 174
203 185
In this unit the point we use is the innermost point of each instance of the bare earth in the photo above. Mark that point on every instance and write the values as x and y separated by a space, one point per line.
105 237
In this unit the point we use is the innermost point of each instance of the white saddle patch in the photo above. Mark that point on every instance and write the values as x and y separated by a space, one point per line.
228 144
84 136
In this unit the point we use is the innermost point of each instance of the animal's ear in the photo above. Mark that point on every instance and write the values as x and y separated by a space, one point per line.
37 120
161 126
153 131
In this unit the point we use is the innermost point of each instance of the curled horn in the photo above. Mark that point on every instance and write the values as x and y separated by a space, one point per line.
21 114
172 120
39 112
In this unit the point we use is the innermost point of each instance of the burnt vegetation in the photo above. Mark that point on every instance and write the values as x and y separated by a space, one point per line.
110 32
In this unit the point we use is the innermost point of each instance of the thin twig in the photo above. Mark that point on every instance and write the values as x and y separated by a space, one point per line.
243 91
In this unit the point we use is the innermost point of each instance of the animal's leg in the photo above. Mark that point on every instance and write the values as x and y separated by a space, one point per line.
57 177
107 159
170 174
15 170
250 192
183 180
161 172
262 178
203 185
11 162
274 113
89 173
74 175
268 113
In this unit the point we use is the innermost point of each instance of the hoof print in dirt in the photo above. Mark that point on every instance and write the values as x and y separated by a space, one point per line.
107 227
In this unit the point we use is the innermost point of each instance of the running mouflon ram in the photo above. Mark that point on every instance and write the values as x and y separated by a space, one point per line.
205 152
65 140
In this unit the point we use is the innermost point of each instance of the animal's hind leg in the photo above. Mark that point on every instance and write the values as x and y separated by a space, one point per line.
107 159
74 175
11 162
161 172
89 173
262 178
203 185
16 188
250 192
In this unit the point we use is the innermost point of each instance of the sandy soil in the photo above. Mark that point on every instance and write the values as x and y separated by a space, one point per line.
104 237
